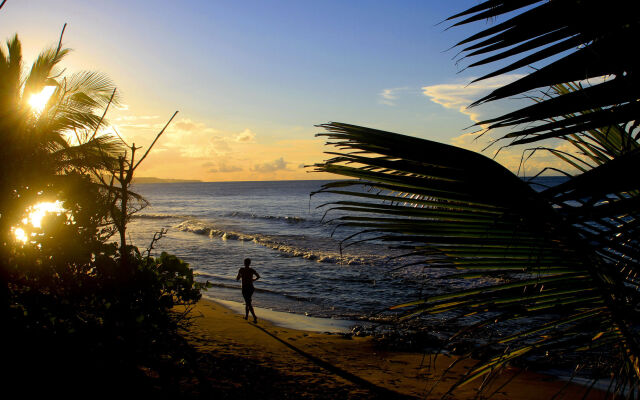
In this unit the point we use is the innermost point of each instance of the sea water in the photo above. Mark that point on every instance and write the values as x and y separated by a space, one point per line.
293 245
302 267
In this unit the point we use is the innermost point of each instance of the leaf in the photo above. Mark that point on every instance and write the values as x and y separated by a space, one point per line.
462 211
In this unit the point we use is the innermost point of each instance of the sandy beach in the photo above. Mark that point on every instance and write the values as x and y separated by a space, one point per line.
241 359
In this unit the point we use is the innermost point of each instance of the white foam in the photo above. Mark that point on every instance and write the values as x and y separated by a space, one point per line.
321 256
290 320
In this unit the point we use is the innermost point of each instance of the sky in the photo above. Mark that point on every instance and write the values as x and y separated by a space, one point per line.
251 79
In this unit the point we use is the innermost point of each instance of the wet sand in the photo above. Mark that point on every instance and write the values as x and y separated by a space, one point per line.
264 360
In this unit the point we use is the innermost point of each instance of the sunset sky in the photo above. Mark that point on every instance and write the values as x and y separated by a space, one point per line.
252 78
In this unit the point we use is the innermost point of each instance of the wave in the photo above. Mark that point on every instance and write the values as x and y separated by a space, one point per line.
262 290
157 216
197 227
285 246
227 283
285 218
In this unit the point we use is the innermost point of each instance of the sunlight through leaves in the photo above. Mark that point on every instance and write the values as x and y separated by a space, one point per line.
38 101
35 215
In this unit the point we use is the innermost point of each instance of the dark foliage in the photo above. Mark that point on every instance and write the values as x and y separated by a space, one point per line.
75 309
559 267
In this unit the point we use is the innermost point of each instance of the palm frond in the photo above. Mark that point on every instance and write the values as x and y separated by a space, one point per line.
99 153
41 71
11 67
568 257
571 274
89 90
586 40
75 110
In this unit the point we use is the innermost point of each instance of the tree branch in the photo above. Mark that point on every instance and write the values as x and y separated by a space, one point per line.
61 35
103 114
155 140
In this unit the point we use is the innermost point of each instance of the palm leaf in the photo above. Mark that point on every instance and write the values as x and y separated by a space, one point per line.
596 37
38 145
42 70
568 255
11 67
460 210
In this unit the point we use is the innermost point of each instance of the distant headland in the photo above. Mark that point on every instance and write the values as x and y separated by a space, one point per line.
162 180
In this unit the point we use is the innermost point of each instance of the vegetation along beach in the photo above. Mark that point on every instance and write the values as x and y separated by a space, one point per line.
182 216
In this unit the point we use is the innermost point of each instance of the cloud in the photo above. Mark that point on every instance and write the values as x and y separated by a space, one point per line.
135 117
200 145
142 127
276 165
389 95
185 137
134 126
188 125
246 136
198 140
457 96
193 148
193 139
222 167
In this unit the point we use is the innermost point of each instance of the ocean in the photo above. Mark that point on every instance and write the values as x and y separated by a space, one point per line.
214 226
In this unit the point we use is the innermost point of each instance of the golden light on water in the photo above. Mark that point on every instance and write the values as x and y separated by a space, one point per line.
34 218
38 101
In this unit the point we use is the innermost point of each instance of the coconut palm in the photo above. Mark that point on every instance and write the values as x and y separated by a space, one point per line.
49 148
62 136
563 261
73 112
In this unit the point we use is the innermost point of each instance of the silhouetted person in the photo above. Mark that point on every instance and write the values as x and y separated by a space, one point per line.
247 274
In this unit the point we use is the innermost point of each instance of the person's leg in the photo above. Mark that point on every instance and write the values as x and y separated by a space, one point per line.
255 319
247 303
251 307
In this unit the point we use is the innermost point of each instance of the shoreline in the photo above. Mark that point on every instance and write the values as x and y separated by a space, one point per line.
291 320
309 362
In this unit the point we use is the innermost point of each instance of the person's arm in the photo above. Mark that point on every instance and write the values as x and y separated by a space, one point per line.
239 275
256 274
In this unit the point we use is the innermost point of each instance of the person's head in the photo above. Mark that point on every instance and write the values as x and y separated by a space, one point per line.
247 262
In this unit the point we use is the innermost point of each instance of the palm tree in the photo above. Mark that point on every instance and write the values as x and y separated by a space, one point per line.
49 149
38 146
565 258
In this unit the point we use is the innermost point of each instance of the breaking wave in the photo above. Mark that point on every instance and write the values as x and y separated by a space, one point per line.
157 216
289 246
284 218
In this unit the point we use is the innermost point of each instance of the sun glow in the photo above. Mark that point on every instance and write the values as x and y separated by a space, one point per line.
38 101
41 209
20 234
34 218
